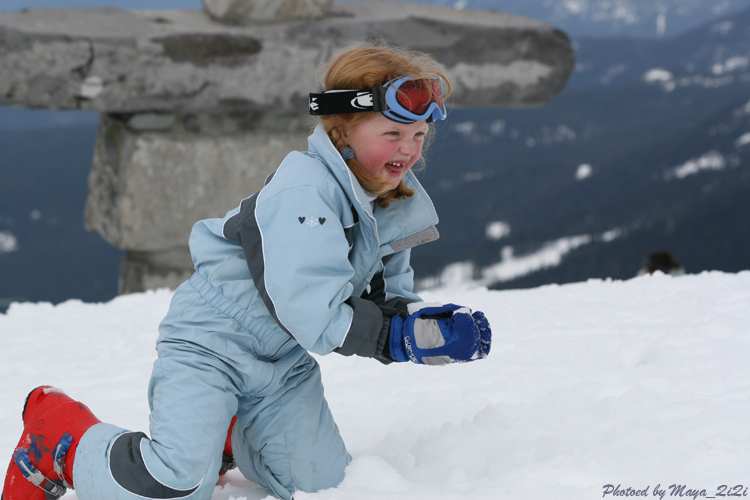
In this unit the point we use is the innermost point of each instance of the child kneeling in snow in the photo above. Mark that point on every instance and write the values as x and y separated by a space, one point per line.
317 260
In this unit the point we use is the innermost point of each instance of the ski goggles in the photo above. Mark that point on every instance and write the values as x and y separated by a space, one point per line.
403 99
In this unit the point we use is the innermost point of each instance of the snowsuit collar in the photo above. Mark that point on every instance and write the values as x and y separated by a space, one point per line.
404 224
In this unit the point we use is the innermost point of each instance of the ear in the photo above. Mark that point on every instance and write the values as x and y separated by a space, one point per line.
343 130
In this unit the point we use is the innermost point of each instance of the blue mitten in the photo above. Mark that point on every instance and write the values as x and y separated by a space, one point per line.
440 335
485 334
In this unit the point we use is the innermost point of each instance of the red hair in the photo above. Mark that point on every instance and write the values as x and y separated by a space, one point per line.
365 66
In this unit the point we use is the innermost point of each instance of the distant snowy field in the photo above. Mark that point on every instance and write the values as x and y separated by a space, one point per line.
638 384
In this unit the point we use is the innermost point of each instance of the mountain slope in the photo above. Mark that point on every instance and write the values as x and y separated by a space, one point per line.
648 157
611 18
712 55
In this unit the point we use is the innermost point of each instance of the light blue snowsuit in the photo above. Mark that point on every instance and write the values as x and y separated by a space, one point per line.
289 271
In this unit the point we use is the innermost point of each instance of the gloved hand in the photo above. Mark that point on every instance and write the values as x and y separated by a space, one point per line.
440 335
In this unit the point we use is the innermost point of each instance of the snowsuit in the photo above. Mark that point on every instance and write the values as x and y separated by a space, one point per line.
305 264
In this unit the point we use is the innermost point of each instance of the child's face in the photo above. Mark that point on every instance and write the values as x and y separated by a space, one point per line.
385 147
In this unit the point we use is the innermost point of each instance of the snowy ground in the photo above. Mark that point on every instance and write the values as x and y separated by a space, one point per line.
637 384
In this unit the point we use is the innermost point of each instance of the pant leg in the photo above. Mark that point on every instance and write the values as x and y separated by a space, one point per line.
287 440
191 411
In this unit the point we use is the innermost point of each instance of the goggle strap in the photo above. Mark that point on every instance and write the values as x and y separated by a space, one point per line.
378 99
347 101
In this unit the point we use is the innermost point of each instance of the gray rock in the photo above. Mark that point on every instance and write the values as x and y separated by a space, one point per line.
151 121
148 187
141 271
255 11
198 110
147 61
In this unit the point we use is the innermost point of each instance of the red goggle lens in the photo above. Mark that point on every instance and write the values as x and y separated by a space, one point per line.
417 95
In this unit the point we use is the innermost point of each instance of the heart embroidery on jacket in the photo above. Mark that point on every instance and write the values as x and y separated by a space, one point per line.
312 221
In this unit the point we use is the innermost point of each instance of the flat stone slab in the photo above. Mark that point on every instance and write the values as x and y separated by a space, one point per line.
252 11
114 60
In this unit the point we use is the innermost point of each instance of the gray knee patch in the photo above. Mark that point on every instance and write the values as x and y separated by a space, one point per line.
130 472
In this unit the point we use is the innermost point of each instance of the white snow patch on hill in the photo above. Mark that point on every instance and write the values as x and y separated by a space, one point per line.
742 140
550 255
713 160
497 230
583 171
657 75
734 63
8 242
512 266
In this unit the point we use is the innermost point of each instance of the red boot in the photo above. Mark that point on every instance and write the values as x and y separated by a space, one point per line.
227 461
42 463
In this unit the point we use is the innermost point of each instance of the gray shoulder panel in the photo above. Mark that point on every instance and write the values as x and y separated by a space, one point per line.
243 228
413 240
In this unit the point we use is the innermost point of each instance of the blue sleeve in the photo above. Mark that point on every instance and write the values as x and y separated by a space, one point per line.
297 254
399 277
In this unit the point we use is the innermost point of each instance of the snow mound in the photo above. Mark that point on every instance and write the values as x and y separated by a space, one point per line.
635 384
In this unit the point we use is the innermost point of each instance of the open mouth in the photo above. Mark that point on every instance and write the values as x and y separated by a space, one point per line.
395 167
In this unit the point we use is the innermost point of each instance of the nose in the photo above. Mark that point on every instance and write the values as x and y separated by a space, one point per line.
408 147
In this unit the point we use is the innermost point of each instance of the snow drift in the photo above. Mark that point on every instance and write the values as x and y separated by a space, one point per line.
589 388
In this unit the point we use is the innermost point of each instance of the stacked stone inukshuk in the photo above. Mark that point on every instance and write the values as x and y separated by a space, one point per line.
198 106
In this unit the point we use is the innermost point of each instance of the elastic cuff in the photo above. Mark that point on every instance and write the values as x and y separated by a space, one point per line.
383 353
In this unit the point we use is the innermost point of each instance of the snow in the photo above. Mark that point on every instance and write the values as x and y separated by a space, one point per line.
549 255
713 160
662 77
633 383
8 242
661 23
497 127
584 171
497 230
511 266
466 128
657 75
742 140
722 75
469 130
554 135
473 176
574 6
732 64
612 235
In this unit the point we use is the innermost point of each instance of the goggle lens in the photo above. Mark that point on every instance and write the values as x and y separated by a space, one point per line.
417 95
